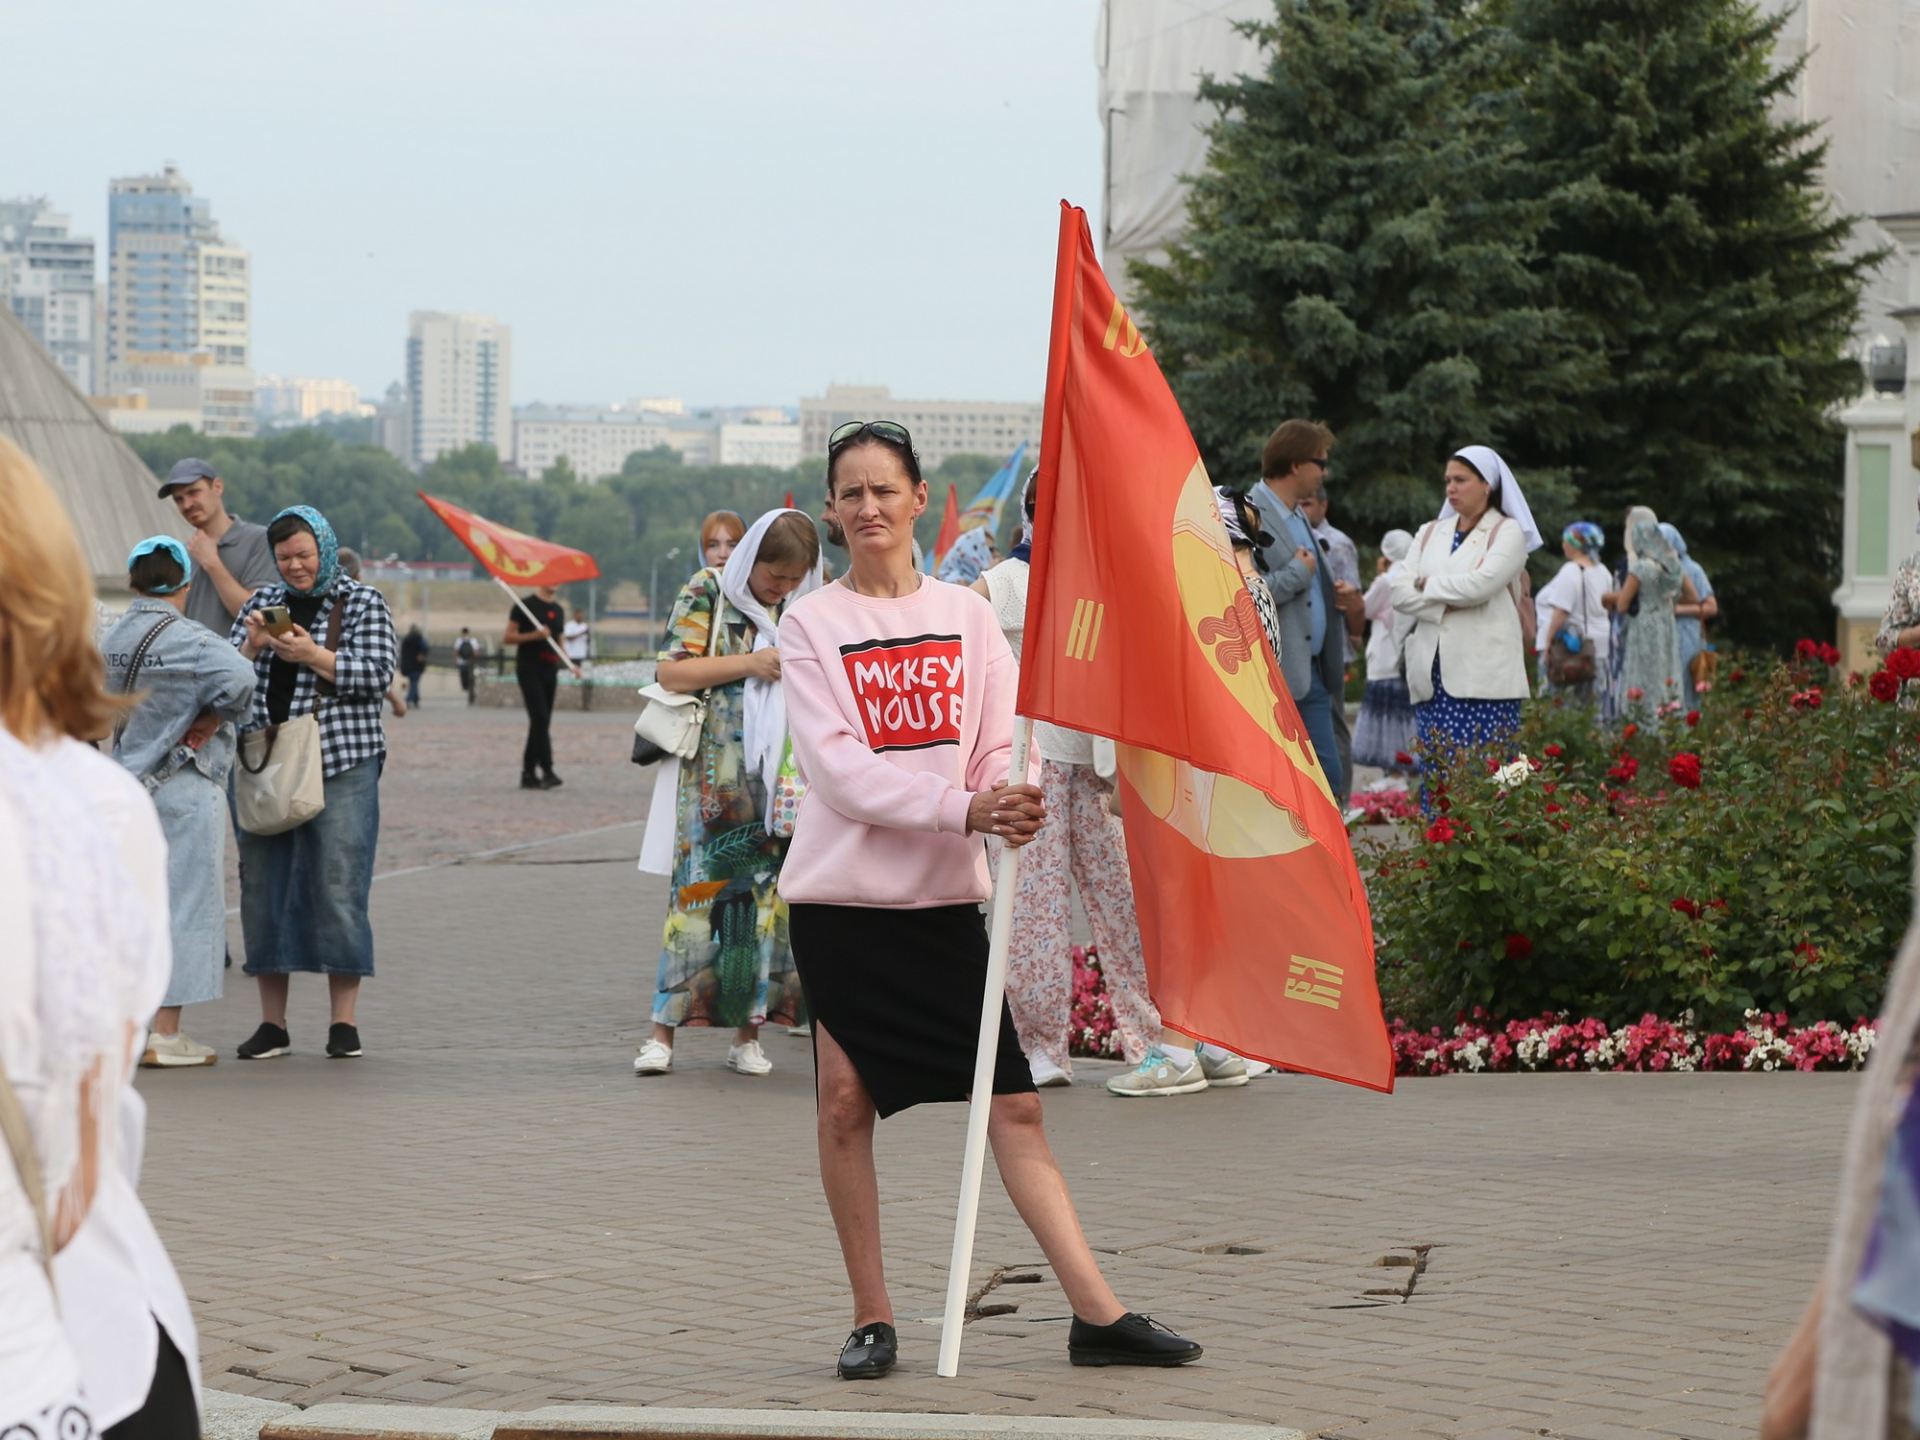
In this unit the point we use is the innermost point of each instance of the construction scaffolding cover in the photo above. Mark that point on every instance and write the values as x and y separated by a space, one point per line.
108 491
1862 85
1152 54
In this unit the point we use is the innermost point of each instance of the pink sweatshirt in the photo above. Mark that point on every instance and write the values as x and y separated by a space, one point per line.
899 710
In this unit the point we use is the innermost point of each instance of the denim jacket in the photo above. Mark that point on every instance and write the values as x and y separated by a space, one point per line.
188 669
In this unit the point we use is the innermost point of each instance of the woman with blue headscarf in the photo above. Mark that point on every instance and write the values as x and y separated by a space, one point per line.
303 892
1569 605
1691 615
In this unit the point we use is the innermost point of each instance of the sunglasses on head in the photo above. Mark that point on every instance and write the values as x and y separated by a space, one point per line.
878 429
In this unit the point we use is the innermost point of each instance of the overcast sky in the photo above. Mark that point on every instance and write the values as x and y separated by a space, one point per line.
725 200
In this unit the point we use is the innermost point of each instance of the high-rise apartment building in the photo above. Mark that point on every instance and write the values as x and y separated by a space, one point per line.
287 399
459 384
939 427
46 277
175 286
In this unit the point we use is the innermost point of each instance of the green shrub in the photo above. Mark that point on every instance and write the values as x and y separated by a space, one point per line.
1608 875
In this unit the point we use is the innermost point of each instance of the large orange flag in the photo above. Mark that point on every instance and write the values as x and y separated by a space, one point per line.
510 556
949 535
1140 627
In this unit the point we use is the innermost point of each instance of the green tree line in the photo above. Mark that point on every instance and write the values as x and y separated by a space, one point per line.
628 522
1576 230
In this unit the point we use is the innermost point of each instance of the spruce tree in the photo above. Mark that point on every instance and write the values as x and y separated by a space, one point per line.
1688 235
1362 250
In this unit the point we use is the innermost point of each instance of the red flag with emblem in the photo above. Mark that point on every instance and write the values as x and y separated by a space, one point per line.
508 555
949 534
1140 627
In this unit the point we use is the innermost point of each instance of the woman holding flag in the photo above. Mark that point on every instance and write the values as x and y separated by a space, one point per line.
901 693
720 821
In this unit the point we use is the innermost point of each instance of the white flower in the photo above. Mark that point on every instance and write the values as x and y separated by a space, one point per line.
1510 775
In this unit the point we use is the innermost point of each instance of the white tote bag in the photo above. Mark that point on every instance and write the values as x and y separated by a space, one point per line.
279 782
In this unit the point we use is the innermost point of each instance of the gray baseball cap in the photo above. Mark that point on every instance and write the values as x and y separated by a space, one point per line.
186 472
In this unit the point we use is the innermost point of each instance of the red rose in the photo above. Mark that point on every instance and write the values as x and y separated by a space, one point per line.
1634 692
1687 908
1805 955
1684 768
1716 904
1441 831
1629 732
1401 757
1693 718
1519 947
1624 769
1829 655
1885 685
1553 752
1738 675
1806 649
1905 664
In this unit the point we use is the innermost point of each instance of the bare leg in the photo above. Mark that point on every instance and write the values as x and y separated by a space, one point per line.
344 992
166 1020
663 1033
1039 1193
273 999
847 1175
746 1033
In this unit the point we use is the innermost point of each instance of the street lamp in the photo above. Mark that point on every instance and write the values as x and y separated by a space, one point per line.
653 606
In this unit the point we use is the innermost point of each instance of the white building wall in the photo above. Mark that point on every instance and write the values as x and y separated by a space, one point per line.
940 428
459 383
595 440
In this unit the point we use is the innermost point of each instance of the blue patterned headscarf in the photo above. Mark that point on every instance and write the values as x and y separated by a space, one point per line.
1586 537
324 539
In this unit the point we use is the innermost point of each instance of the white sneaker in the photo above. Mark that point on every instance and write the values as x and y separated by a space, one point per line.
653 1059
748 1059
1257 1068
1046 1074
804 1031
1157 1075
165 1052
1226 1071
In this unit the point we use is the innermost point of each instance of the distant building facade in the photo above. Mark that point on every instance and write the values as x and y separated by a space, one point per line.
174 284
46 278
940 428
459 384
152 393
288 398
597 439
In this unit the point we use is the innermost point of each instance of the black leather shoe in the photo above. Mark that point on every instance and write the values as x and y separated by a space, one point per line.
530 781
548 780
870 1352
1130 1340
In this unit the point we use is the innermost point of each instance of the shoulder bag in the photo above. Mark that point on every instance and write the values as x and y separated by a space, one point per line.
1565 665
670 723
280 782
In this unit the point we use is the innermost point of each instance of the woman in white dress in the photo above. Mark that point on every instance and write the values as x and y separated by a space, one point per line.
85 963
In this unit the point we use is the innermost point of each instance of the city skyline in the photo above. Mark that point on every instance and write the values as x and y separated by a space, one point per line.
737 204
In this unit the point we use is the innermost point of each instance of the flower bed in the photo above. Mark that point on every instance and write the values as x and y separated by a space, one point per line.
1751 855
1481 1045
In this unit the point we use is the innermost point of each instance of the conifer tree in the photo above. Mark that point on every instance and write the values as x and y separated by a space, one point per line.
1688 235
1362 250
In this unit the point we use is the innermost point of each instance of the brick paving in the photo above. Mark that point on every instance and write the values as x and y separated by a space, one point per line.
490 1210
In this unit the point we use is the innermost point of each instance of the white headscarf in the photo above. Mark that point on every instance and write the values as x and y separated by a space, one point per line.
765 731
1394 545
1506 491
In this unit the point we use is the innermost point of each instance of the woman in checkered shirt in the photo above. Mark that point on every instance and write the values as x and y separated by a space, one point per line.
303 892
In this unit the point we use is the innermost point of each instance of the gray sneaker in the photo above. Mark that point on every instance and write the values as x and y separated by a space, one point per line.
1226 1072
1158 1075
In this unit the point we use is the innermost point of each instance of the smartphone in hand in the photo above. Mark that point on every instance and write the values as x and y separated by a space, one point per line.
275 619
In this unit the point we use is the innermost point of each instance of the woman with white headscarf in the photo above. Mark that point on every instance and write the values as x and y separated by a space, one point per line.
1461 585
725 958
1655 582
1385 730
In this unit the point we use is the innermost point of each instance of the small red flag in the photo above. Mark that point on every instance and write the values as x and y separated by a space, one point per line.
789 499
949 527
510 556
1140 627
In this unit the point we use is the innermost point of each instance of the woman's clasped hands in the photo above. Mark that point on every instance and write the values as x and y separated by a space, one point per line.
1014 813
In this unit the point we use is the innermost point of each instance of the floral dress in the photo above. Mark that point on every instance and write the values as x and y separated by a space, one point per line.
725 958
1903 609
1650 651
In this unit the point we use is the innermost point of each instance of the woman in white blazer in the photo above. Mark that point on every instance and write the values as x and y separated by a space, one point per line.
1466 659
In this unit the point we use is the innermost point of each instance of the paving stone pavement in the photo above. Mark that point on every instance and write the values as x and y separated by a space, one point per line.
490 1210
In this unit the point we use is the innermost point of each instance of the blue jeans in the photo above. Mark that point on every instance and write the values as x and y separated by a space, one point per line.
303 893
1316 713
413 687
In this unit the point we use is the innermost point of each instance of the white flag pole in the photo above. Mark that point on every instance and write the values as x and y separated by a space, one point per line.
533 624
974 1164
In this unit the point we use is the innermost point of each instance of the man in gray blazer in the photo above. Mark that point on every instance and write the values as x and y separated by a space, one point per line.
1312 626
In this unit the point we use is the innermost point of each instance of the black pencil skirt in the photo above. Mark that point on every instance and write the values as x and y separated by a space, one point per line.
900 992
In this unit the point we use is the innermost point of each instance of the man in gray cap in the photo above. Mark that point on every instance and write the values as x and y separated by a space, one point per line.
231 559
